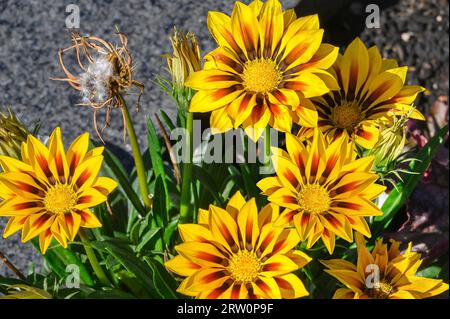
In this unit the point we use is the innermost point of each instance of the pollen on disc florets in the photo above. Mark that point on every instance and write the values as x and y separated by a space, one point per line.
60 199
382 291
261 76
244 266
346 116
314 199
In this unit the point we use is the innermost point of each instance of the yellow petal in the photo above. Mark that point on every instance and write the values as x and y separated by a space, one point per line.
88 198
235 204
88 219
208 279
291 287
316 162
284 198
14 225
366 135
194 232
354 68
45 240
22 184
182 266
307 113
299 258
248 224
105 185
35 225
77 151
210 100
58 160
85 175
309 84
39 158
219 24
245 28
211 80
356 206
271 25
349 278
17 206
203 254
9 164
288 174
220 122
344 293
266 287
224 228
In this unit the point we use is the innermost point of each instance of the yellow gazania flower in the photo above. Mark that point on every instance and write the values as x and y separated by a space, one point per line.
383 274
49 193
238 253
370 88
326 191
267 63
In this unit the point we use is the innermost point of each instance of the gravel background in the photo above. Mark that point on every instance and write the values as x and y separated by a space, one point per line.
415 32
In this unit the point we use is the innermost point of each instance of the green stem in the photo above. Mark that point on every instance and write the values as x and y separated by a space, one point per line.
196 202
93 259
138 160
267 146
187 174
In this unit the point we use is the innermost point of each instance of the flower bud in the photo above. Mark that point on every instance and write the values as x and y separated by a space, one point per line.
12 134
391 141
185 59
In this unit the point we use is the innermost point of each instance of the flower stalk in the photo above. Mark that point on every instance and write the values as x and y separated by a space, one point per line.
98 270
267 147
185 211
138 160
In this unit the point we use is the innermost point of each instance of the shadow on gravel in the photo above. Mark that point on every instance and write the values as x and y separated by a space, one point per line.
343 20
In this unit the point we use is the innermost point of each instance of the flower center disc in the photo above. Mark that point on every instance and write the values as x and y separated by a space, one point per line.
314 199
383 291
244 266
60 199
261 76
346 116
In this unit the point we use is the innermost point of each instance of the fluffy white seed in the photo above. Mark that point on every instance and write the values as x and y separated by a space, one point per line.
95 81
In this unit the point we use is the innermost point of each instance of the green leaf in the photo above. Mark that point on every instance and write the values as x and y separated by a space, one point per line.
131 263
403 191
147 238
207 181
58 258
160 202
166 119
117 172
164 282
430 272
133 284
154 148
169 231
110 294
53 261
249 181
6 282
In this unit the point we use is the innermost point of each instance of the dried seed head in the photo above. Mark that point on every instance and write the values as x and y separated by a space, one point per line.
95 82
12 134
105 74
185 58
